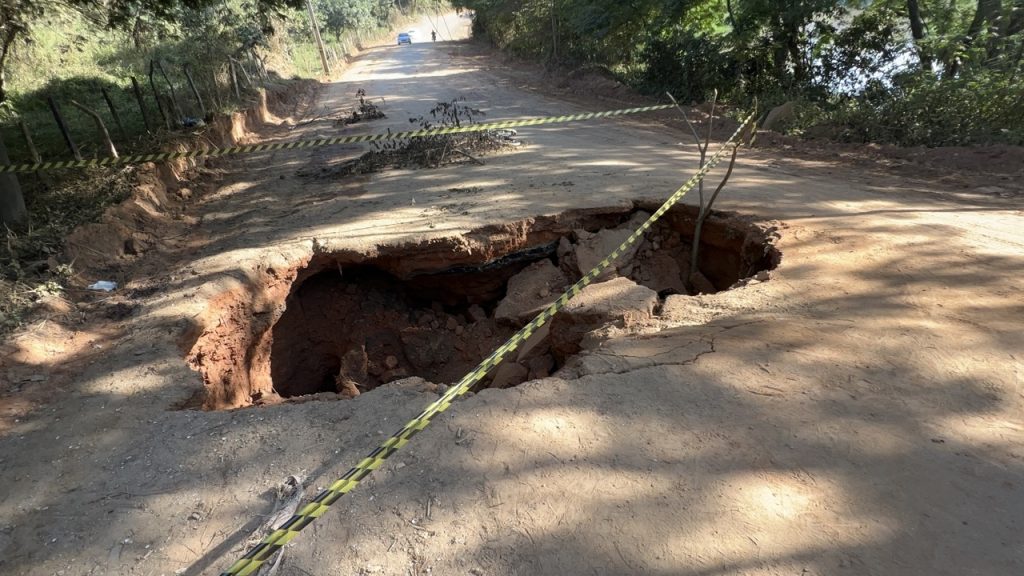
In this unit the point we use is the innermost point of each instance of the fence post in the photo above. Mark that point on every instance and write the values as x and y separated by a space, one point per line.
259 64
55 108
174 97
142 104
245 74
195 92
214 90
113 112
43 176
100 127
234 79
156 96
28 141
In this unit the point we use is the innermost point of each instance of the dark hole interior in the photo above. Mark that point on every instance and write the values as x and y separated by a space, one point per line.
350 328
367 327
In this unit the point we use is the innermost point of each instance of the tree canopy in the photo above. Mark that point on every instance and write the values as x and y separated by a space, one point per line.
929 53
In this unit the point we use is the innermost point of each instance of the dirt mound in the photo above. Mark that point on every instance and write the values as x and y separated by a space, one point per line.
597 81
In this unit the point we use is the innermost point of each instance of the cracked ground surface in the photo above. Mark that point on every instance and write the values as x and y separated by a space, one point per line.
859 413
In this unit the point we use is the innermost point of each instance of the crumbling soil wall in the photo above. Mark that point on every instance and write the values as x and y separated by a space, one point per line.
156 207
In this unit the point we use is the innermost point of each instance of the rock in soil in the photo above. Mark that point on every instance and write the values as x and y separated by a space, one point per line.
529 292
540 366
617 300
591 248
477 314
509 374
701 284
536 344
662 273
354 364
347 389
425 347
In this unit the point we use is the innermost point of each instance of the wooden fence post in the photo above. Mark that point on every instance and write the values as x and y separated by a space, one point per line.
142 104
113 112
261 66
245 74
36 158
28 141
195 92
55 108
174 97
100 127
234 79
214 90
156 96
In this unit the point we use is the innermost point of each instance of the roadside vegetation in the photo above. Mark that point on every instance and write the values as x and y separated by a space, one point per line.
153 72
906 72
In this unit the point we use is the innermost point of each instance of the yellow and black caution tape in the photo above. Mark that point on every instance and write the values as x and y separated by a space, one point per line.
252 148
316 508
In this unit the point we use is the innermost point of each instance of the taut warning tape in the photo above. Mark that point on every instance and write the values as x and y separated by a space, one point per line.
316 508
252 148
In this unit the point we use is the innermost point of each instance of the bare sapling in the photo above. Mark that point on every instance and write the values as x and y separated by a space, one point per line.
697 281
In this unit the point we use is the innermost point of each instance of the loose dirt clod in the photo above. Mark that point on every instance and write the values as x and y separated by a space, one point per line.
352 323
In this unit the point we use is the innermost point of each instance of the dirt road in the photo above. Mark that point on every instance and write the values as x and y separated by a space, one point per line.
858 413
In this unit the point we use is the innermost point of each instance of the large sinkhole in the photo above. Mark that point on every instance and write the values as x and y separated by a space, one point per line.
353 322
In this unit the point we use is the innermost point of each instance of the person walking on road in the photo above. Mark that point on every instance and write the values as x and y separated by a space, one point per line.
433 35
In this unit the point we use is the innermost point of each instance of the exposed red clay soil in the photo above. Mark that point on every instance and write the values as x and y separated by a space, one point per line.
435 309
156 209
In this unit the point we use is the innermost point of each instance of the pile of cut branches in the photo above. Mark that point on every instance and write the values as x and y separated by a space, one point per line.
437 150
366 111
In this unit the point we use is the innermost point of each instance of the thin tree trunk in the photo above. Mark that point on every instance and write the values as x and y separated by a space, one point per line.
5 50
101 128
732 15
554 33
987 11
918 32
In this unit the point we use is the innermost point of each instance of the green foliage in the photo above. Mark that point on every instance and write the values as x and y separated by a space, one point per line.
340 16
920 109
853 62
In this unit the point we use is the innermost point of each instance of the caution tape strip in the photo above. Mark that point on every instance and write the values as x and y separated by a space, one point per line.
252 148
316 508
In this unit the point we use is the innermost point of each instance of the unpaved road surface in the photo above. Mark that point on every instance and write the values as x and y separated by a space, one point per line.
858 413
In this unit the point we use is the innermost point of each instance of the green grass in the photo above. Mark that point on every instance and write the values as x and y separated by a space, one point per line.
70 59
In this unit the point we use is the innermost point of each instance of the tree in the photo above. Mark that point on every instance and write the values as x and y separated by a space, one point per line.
17 17
343 15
